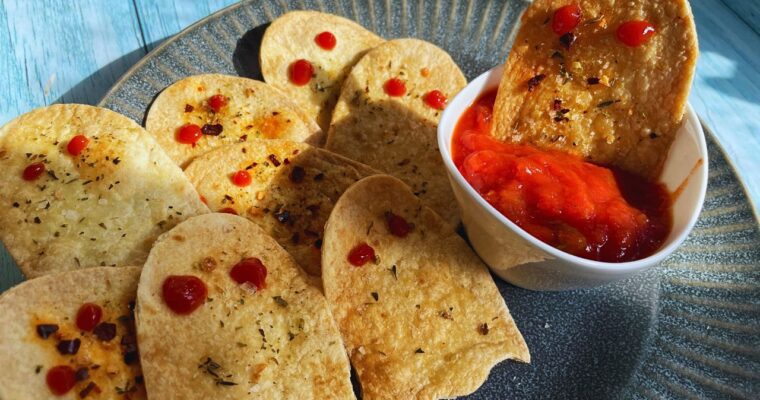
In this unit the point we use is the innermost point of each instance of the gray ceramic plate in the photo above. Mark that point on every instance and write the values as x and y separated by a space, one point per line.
689 328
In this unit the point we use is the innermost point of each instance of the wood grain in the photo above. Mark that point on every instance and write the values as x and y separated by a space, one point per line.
161 19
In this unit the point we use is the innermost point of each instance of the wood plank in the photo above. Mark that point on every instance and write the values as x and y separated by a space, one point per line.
747 10
162 19
61 51
726 91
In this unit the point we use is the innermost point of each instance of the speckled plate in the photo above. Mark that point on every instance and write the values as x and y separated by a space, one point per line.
689 328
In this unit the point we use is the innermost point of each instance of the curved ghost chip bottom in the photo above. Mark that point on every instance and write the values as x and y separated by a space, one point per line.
424 318
241 109
397 134
275 342
102 207
37 321
293 189
292 37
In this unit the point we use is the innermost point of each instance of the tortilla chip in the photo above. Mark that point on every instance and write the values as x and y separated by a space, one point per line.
253 110
104 207
26 358
397 135
291 37
425 319
630 117
277 342
293 190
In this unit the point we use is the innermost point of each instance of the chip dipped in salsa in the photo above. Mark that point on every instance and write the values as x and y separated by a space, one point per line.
596 212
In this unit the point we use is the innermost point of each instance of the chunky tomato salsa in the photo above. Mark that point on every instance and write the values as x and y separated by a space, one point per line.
595 212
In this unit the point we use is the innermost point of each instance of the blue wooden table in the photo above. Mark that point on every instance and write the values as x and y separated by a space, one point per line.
73 51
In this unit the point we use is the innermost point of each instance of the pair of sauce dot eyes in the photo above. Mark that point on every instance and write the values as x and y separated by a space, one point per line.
435 99
631 33
364 253
192 133
183 294
62 378
75 147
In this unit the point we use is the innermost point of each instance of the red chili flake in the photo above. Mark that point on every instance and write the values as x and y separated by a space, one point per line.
274 160
77 144
394 87
189 108
203 200
68 346
297 174
212 129
435 99
325 40
88 389
217 102
60 379
88 316
282 216
82 374
397 225
33 171
567 40
301 72
534 81
241 178
228 210
189 134
45 330
592 80
557 104
361 255
105 331
183 294
250 271
635 33
566 19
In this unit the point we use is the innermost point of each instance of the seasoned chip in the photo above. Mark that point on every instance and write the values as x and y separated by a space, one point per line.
584 90
287 188
306 35
388 113
418 311
202 112
223 312
84 186
41 336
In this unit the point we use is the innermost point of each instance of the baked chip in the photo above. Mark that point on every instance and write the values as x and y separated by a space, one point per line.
224 109
588 93
396 133
272 338
419 313
292 37
104 205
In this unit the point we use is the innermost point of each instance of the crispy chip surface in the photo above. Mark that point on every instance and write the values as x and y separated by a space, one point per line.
104 207
599 98
279 342
397 135
253 110
293 189
291 37
425 319
55 299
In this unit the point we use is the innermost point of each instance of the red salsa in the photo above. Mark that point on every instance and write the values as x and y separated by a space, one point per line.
596 212
184 293
250 271
60 379
89 316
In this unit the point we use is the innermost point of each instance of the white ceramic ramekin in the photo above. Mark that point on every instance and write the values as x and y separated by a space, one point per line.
525 261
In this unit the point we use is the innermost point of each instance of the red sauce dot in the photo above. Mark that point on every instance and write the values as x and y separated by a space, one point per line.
184 293
397 225
395 87
217 102
203 200
228 210
635 33
326 40
60 379
566 19
435 99
89 316
241 178
250 271
189 134
301 72
33 171
77 144
361 254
